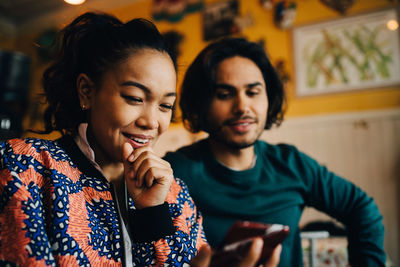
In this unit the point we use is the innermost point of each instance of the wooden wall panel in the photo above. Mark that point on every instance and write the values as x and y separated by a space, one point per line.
361 147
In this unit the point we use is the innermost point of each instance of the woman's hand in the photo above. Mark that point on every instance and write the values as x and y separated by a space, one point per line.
203 258
148 177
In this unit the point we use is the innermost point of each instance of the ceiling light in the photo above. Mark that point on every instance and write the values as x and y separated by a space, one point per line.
75 2
392 25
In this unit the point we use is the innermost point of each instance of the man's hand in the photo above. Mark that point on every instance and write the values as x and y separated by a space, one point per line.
203 258
148 177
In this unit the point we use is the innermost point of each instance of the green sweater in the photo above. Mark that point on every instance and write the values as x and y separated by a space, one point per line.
276 190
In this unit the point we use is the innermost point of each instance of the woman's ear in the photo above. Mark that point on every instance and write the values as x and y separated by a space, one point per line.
85 88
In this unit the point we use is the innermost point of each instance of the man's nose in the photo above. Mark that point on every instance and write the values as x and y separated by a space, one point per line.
241 104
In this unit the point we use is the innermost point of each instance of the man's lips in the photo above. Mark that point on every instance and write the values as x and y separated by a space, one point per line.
138 140
241 125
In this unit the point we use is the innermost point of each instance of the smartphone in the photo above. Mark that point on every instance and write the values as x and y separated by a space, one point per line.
239 237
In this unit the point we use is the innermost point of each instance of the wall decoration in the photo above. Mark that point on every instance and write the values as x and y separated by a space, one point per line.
280 67
174 10
45 45
219 19
284 14
339 5
267 4
347 54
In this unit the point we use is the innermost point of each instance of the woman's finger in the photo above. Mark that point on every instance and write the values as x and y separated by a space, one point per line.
203 257
150 169
253 254
275 257
144 158
127 155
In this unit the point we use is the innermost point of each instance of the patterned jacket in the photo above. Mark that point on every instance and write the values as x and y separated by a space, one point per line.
57 209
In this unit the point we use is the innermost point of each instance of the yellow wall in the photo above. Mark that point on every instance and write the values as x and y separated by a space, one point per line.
278 45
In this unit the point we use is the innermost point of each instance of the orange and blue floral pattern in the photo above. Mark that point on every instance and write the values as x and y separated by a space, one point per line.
53 214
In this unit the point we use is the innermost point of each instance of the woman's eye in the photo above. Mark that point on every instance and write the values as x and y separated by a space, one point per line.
132 98
166 107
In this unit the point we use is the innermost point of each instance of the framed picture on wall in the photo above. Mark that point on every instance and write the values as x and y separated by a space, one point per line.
351 53
219 19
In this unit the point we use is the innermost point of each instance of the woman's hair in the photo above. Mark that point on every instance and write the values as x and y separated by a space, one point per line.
91 44
198 87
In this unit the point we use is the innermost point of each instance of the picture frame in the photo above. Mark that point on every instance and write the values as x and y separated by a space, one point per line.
351 53
219 19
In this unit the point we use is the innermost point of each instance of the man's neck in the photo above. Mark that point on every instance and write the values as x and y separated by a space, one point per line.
234 158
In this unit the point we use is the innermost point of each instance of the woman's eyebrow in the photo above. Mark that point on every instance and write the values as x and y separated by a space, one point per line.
170 94
138 85
145 89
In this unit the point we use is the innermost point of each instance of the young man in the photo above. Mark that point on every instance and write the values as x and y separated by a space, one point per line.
232 92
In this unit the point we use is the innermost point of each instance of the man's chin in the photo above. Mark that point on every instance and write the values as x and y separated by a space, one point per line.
241 145
235 144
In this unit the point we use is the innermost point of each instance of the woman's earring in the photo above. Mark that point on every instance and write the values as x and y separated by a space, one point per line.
84 107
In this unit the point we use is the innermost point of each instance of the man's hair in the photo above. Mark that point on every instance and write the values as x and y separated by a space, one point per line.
199 84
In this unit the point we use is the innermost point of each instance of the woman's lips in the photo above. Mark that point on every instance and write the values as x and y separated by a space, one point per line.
138 140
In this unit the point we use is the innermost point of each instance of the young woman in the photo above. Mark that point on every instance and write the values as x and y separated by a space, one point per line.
99 195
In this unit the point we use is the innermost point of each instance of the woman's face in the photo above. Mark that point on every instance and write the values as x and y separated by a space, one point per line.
132 104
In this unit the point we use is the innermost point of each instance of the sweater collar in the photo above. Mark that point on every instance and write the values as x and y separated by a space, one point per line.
83 144
228 174
83 163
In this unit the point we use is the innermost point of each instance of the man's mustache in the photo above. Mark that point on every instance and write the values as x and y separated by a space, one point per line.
235 119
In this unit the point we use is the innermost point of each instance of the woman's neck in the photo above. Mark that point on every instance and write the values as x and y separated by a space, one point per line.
112 170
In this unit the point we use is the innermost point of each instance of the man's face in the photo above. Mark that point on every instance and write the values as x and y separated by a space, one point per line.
238 111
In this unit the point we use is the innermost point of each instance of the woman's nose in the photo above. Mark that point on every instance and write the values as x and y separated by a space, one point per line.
148 119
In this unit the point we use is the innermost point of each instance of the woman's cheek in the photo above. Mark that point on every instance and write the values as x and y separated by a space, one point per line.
165 122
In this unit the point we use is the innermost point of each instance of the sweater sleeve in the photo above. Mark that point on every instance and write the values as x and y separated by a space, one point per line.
177 238
350 205
23 239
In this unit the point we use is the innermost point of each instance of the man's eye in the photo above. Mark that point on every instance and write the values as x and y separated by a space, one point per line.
253 92
222 95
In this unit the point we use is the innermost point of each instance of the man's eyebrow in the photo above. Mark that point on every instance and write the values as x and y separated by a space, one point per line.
251 85
144 88
224 86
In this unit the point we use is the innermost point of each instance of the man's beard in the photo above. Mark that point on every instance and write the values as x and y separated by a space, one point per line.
216 133
231 143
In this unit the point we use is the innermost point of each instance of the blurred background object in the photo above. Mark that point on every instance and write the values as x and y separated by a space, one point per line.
14 85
